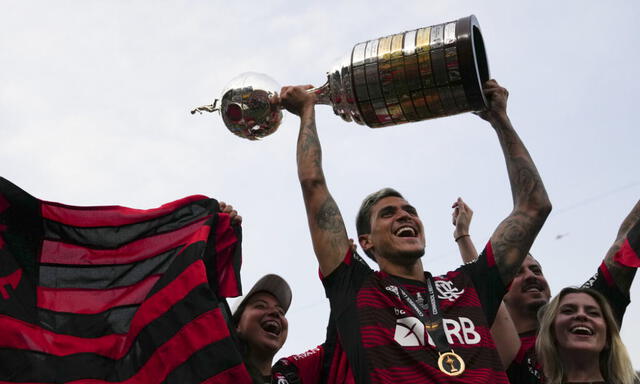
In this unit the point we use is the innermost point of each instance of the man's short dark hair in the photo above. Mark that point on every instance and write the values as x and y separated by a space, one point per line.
363 220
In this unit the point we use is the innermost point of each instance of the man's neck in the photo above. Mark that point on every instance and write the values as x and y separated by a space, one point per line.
413 271
524 322
524 319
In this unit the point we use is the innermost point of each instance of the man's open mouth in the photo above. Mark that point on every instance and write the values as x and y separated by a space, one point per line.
533 287
406 231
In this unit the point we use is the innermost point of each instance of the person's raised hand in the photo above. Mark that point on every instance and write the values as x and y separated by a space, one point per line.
233 214
461 218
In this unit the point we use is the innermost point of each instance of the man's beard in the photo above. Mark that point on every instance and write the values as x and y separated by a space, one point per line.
406 258
534 307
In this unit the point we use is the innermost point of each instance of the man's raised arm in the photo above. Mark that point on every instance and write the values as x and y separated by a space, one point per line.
328 233
514 236
622 259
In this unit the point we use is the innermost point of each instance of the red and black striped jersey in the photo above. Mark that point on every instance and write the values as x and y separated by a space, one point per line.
525 368
116 295
385 342
325 364
304 368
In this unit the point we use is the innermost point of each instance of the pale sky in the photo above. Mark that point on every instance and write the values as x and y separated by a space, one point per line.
95 99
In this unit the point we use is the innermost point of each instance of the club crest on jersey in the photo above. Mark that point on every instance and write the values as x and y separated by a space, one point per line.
448 291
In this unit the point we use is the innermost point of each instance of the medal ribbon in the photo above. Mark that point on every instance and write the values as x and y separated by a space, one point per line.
449 362
432 321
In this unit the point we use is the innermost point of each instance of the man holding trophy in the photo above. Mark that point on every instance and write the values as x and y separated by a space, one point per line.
401 323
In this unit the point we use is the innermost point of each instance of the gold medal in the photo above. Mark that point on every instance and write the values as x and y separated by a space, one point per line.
451 363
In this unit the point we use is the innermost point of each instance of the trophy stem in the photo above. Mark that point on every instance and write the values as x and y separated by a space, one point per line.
207 108
323 94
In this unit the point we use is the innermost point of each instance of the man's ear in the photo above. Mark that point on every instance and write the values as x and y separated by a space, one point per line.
365 242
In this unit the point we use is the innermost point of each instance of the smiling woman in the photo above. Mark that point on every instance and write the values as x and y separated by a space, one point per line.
261 324
579 340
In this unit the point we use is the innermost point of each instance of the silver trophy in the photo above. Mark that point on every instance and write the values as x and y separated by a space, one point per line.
421 74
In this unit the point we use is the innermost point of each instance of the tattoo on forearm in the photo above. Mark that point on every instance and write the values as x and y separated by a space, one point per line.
629 222
523 175
327 228
309 145
309 137
515 235
507 138
328 217
525 180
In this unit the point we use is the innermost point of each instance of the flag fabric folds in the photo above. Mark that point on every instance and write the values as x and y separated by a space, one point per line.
116 295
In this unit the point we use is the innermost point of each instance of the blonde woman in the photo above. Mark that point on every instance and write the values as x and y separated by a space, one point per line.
579 342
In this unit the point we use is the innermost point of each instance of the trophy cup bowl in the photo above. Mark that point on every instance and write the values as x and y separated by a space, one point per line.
249 106
416 75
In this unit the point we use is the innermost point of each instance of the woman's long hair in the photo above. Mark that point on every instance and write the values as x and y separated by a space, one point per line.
615 364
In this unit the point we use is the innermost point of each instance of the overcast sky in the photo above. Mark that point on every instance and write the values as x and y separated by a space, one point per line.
95 99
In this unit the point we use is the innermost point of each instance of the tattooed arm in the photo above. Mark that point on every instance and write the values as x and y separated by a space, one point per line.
629 230
328 233
514 236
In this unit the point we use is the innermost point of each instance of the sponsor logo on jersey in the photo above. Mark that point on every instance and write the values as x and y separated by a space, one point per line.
410 332
399 312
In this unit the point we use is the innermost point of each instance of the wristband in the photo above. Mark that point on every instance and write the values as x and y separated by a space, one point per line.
460 237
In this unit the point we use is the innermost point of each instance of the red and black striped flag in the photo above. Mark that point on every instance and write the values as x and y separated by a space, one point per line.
116 295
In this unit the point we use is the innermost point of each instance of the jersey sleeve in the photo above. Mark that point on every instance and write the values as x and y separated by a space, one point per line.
603 282
486 279
305 368
342 287
629 253
344 282
315 366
